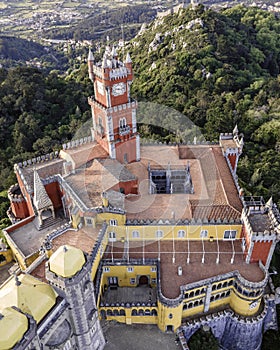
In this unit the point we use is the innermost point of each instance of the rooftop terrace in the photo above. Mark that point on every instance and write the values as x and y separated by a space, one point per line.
229 253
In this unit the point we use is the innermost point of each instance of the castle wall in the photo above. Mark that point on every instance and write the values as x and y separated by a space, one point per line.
261 251
126 151
235 332
170 232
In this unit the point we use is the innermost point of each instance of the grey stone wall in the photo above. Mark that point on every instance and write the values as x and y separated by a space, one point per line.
233 331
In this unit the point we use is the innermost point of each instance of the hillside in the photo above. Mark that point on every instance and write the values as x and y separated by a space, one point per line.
16 51
219 70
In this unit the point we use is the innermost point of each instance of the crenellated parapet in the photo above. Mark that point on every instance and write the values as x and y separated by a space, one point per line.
230 329
261 229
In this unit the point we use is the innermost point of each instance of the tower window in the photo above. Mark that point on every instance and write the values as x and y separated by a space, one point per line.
123 127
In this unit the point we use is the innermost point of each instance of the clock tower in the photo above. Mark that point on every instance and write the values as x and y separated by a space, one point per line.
113 110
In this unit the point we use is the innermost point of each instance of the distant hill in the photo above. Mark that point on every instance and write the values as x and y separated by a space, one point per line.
17 51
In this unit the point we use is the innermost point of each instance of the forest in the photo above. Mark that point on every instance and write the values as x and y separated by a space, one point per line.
215 70
219 70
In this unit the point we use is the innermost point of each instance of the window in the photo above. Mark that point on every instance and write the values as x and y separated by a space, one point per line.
132 281
203 233
159 234
154 281
122 123
112 236
181 233
230 234
113 222
135 234
130 269
88 221
106 269
153 269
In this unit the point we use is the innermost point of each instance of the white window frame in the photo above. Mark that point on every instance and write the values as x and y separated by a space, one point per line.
106 269
89 221
113 222
232 235
181 234
153 280
130 269
135 234
153 269
112 236
203 233
159 233
132 280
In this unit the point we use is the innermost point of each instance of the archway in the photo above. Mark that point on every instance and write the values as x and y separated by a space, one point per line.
143 280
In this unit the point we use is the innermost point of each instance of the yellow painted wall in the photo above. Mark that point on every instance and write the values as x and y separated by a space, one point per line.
240 305
76 219
220 302
16 253
8 256
101 217
192 232
192 311
164 313
124 276
128 318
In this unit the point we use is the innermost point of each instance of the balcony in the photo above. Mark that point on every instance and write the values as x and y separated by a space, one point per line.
124 130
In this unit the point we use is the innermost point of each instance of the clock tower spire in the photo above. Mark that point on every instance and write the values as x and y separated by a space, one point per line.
113 110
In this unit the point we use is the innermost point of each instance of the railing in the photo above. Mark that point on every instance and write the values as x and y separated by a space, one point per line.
124 130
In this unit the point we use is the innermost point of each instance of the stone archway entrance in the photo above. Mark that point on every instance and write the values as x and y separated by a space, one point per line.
143 280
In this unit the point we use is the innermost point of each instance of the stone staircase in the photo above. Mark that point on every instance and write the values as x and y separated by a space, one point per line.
50 221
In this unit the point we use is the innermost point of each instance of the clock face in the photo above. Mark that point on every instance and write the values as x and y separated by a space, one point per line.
118 89
100 87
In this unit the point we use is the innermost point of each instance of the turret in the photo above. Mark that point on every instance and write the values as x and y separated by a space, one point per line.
90 65
69 272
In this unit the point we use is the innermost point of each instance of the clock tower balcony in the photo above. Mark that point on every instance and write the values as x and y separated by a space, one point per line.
124 130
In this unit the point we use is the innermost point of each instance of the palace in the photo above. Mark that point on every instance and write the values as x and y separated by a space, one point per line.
159 234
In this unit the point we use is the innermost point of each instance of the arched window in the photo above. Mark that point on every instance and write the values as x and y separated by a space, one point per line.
135 234
159 234
154 312
134 312
181 233
122 312
109 312
116 312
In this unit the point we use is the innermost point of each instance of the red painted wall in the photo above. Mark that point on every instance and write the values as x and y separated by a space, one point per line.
54 193
27 196
20 209
232 160
260 251
126 147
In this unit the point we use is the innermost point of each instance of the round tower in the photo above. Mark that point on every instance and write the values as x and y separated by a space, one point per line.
69 272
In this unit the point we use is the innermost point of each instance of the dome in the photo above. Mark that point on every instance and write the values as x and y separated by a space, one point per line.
29 294
67 261
13 325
